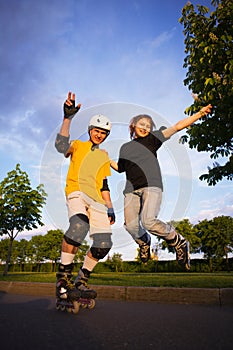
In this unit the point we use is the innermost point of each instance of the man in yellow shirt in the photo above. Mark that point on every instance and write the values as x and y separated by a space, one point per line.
88 201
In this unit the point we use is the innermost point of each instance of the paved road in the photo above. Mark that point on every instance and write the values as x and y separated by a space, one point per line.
29 322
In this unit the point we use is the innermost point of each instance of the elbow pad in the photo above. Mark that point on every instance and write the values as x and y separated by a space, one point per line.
62 144
105 186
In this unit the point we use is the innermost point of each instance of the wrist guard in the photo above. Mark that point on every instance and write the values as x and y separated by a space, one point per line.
111 215
70 111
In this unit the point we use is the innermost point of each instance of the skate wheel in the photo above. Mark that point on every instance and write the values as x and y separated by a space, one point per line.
91 304
58 307
84 306
62 307
75 309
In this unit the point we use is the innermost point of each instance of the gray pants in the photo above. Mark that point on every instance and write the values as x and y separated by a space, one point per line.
141 208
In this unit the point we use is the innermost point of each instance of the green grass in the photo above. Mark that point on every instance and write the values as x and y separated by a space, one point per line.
178 280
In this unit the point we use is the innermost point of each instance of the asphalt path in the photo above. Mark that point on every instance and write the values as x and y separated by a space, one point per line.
29 322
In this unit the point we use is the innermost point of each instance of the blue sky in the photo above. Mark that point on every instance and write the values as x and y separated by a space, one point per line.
120 58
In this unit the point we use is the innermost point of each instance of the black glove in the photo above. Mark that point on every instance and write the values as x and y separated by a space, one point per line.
70 111
111 215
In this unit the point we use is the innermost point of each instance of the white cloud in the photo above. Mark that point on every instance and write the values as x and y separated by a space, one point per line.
18 147
18 119
162 38
42 230
211 213
218 205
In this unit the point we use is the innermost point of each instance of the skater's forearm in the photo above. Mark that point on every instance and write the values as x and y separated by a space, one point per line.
65 128
184 123
107 198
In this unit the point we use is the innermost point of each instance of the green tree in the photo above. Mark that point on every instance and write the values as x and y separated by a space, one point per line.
20 206
51 246
216 238
209 62
35 253
116 261
4 244
48 247
19 252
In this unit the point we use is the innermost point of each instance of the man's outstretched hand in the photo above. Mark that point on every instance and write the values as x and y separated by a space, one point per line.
69 106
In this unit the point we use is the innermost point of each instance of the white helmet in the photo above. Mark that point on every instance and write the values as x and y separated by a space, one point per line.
101 122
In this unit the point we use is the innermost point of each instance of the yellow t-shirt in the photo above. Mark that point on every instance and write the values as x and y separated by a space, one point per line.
88 168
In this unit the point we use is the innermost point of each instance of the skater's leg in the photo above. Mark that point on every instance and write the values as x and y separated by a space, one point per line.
132 210
73 238
151 201
102 244
83 275
65 289
132 207
144 243
181 246
100 232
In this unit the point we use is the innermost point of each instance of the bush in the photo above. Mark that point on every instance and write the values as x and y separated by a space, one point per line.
197 265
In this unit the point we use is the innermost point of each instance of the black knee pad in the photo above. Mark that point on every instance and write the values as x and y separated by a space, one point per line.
71 242
102 244
77 231
99 253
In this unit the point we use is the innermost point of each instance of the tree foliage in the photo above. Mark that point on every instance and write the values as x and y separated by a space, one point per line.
20 206
213 238
35 250
115 262
209 63
39 249
52 245
216 236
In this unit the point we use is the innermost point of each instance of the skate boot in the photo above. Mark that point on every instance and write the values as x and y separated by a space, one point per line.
144 247
81 284
182 251
65 288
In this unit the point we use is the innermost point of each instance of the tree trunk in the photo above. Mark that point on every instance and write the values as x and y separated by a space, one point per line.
8 260
227 261
211 265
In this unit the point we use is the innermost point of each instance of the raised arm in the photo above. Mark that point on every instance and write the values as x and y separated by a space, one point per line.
62 140
184 123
